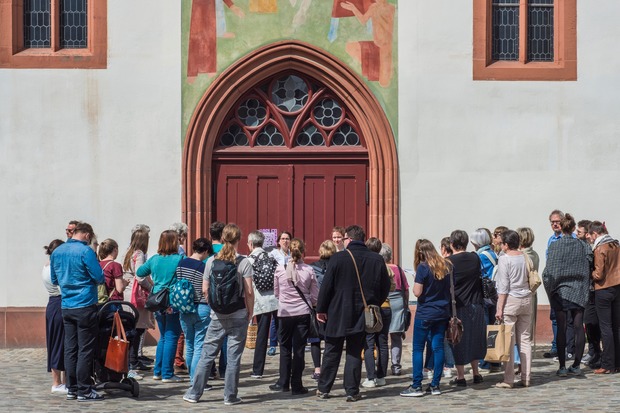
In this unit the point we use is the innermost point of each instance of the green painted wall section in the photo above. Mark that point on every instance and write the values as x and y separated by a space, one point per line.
255 30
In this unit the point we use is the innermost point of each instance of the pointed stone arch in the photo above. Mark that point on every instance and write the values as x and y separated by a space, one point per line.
211 111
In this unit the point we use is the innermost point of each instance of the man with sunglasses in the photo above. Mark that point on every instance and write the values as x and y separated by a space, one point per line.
555 218
71 228
75 268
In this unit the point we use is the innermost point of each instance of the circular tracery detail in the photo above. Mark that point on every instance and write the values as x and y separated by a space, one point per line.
290 111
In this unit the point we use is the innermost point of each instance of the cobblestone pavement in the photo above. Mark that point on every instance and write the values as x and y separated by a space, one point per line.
26 385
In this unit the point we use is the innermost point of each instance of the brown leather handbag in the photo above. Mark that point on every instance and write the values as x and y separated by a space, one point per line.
117 354
454 333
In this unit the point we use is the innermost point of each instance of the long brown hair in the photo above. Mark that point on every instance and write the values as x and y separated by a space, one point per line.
425 252
168 243
231 234
139 242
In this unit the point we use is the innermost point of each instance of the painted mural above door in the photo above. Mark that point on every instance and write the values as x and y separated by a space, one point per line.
361 33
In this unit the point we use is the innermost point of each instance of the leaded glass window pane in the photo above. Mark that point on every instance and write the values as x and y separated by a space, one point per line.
290 94
328 113
37 23
540 31
252 112
310 136
505 30
73 24
234 136
346 136
292 111
270 136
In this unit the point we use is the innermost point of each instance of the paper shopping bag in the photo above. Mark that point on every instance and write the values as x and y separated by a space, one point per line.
499 343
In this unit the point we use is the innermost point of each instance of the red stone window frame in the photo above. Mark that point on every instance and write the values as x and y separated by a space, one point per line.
14 55
564 66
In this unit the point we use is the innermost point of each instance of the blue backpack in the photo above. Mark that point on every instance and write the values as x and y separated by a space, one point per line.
182 296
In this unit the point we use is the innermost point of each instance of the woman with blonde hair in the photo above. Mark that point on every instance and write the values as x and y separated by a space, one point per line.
161 268
432 288
338 238
296 289
230 315
326 250
136 293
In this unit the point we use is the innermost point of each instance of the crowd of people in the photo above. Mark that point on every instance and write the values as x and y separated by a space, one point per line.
297 303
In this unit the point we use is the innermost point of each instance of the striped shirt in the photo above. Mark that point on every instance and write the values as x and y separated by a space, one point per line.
192 270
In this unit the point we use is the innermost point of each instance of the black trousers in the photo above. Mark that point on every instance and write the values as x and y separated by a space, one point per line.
352 364
593 332
263 322
607 301
380 340
292 335
81 329
135 346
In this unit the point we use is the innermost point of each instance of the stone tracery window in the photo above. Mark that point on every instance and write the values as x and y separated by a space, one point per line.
290 110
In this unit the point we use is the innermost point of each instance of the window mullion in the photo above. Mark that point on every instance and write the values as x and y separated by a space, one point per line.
523 22
55 25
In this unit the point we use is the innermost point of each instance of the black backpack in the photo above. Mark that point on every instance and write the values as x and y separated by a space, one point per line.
225 288
264 268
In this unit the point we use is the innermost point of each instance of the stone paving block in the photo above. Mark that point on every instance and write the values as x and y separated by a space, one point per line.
25 387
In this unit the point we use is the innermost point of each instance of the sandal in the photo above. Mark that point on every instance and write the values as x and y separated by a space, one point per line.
503 385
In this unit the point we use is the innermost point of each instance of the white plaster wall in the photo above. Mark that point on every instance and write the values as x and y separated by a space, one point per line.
490 153
102 146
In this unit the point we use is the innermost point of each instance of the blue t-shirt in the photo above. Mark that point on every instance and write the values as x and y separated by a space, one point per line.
434 302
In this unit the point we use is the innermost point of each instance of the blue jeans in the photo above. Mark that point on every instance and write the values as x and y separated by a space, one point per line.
169 332
421 330
195 328
448 356
236 330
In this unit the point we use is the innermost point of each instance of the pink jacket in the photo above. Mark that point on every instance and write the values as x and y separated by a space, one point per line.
290 303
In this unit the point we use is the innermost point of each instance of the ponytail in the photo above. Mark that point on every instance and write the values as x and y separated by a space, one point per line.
297 250
231 234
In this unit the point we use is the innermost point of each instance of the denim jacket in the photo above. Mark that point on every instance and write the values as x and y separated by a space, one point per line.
75 268
486 265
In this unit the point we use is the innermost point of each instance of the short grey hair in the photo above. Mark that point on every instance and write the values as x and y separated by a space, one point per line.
179 227
140 227
386 252
256 238
480 238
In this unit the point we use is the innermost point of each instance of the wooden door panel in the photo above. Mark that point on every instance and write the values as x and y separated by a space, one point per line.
253 200
325 196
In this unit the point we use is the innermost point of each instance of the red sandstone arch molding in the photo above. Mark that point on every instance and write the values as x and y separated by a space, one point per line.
254 68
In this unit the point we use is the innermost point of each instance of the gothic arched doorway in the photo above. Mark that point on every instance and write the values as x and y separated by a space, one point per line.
282 134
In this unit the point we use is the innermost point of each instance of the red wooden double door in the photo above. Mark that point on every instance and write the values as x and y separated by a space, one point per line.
306 198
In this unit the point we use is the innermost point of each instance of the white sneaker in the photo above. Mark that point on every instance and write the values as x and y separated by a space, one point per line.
427 374
173 379
60 389
380 382
447 372
134 375
369 384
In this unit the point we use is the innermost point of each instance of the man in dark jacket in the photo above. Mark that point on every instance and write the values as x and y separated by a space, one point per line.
340 306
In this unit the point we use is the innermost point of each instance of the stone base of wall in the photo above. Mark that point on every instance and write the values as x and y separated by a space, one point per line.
25 327
544 333
22 327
